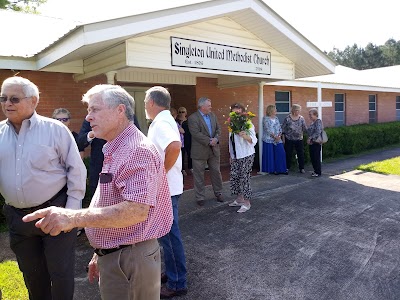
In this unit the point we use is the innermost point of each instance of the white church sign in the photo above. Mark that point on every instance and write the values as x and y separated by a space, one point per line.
212 56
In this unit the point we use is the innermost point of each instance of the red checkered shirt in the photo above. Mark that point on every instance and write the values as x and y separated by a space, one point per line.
138 175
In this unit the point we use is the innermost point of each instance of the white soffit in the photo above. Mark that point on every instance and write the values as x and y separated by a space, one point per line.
254 15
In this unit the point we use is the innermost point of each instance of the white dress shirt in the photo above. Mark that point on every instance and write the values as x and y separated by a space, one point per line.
38 162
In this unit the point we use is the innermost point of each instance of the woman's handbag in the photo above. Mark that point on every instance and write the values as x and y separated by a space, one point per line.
323 138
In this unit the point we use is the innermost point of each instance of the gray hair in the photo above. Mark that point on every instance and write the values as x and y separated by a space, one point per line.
314 111
202 101
112 96
28 87
61 110
160 96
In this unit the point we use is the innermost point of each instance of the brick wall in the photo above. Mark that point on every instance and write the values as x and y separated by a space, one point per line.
58 90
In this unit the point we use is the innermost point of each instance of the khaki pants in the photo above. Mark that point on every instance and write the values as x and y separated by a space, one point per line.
132 273
215 173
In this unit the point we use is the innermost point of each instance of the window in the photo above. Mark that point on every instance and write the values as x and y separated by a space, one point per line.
282 102
372 108
339 110
398 108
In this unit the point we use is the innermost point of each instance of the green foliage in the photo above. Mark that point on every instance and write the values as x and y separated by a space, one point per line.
372 56
388 166
347 140
12 283
28 6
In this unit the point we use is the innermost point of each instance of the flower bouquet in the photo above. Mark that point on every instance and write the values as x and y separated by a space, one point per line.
238 122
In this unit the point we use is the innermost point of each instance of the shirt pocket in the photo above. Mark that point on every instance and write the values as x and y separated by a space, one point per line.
43 158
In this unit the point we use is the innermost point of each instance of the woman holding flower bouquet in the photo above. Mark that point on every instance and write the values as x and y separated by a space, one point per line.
273 154
242 139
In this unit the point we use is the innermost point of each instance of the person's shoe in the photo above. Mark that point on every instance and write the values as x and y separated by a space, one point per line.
302 171
244 208
200 202
184 173
164 278
235 203
315 175
220 198
166 293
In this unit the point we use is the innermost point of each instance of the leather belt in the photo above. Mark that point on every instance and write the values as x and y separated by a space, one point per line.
102 252
29 210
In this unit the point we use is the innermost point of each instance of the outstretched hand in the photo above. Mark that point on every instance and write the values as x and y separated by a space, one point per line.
53 220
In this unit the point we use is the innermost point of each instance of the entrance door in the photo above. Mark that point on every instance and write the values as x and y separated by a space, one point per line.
138 94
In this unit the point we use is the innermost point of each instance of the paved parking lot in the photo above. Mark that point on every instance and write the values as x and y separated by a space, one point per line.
333 237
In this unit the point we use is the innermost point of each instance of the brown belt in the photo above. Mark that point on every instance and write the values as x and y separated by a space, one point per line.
29 210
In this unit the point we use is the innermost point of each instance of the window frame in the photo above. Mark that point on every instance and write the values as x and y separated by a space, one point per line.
374 111
341 111
282 115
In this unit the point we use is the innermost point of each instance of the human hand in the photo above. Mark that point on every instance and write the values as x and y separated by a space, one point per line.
91 134
93 270
242 134
181 130
213 141
53 220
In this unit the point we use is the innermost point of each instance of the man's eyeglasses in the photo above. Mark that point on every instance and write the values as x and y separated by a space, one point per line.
62 119
12 99
181 112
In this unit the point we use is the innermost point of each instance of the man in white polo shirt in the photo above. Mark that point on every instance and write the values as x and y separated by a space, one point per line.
163 132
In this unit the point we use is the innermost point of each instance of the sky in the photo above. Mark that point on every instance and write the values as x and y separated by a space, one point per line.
328 25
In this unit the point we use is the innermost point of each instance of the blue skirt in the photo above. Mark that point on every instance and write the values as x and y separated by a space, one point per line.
273 158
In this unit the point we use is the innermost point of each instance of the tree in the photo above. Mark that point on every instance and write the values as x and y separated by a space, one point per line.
29 6
391 52
372 56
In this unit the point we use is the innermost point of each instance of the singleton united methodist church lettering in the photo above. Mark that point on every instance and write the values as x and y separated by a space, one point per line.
205 55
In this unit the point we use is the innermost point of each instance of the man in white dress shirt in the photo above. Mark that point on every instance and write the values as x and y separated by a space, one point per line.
40 167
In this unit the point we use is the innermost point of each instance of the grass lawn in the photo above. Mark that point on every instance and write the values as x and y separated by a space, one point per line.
12 283
388 166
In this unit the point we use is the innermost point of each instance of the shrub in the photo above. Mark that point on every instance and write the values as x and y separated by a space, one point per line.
355 139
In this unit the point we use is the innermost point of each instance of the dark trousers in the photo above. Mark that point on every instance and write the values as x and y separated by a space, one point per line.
315 156
298 145
47 262
186 150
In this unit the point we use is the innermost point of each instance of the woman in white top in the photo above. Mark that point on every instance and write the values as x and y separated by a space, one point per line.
241 150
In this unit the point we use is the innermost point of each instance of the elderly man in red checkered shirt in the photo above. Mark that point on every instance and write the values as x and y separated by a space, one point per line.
131 207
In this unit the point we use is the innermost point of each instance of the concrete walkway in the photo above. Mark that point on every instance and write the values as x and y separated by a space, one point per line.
333 237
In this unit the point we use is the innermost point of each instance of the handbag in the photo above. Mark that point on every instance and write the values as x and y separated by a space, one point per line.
323 138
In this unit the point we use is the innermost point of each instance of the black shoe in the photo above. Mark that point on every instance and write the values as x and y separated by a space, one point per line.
164 278
200 202
166 293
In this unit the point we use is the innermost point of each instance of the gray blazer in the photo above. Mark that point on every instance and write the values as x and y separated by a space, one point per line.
201 136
